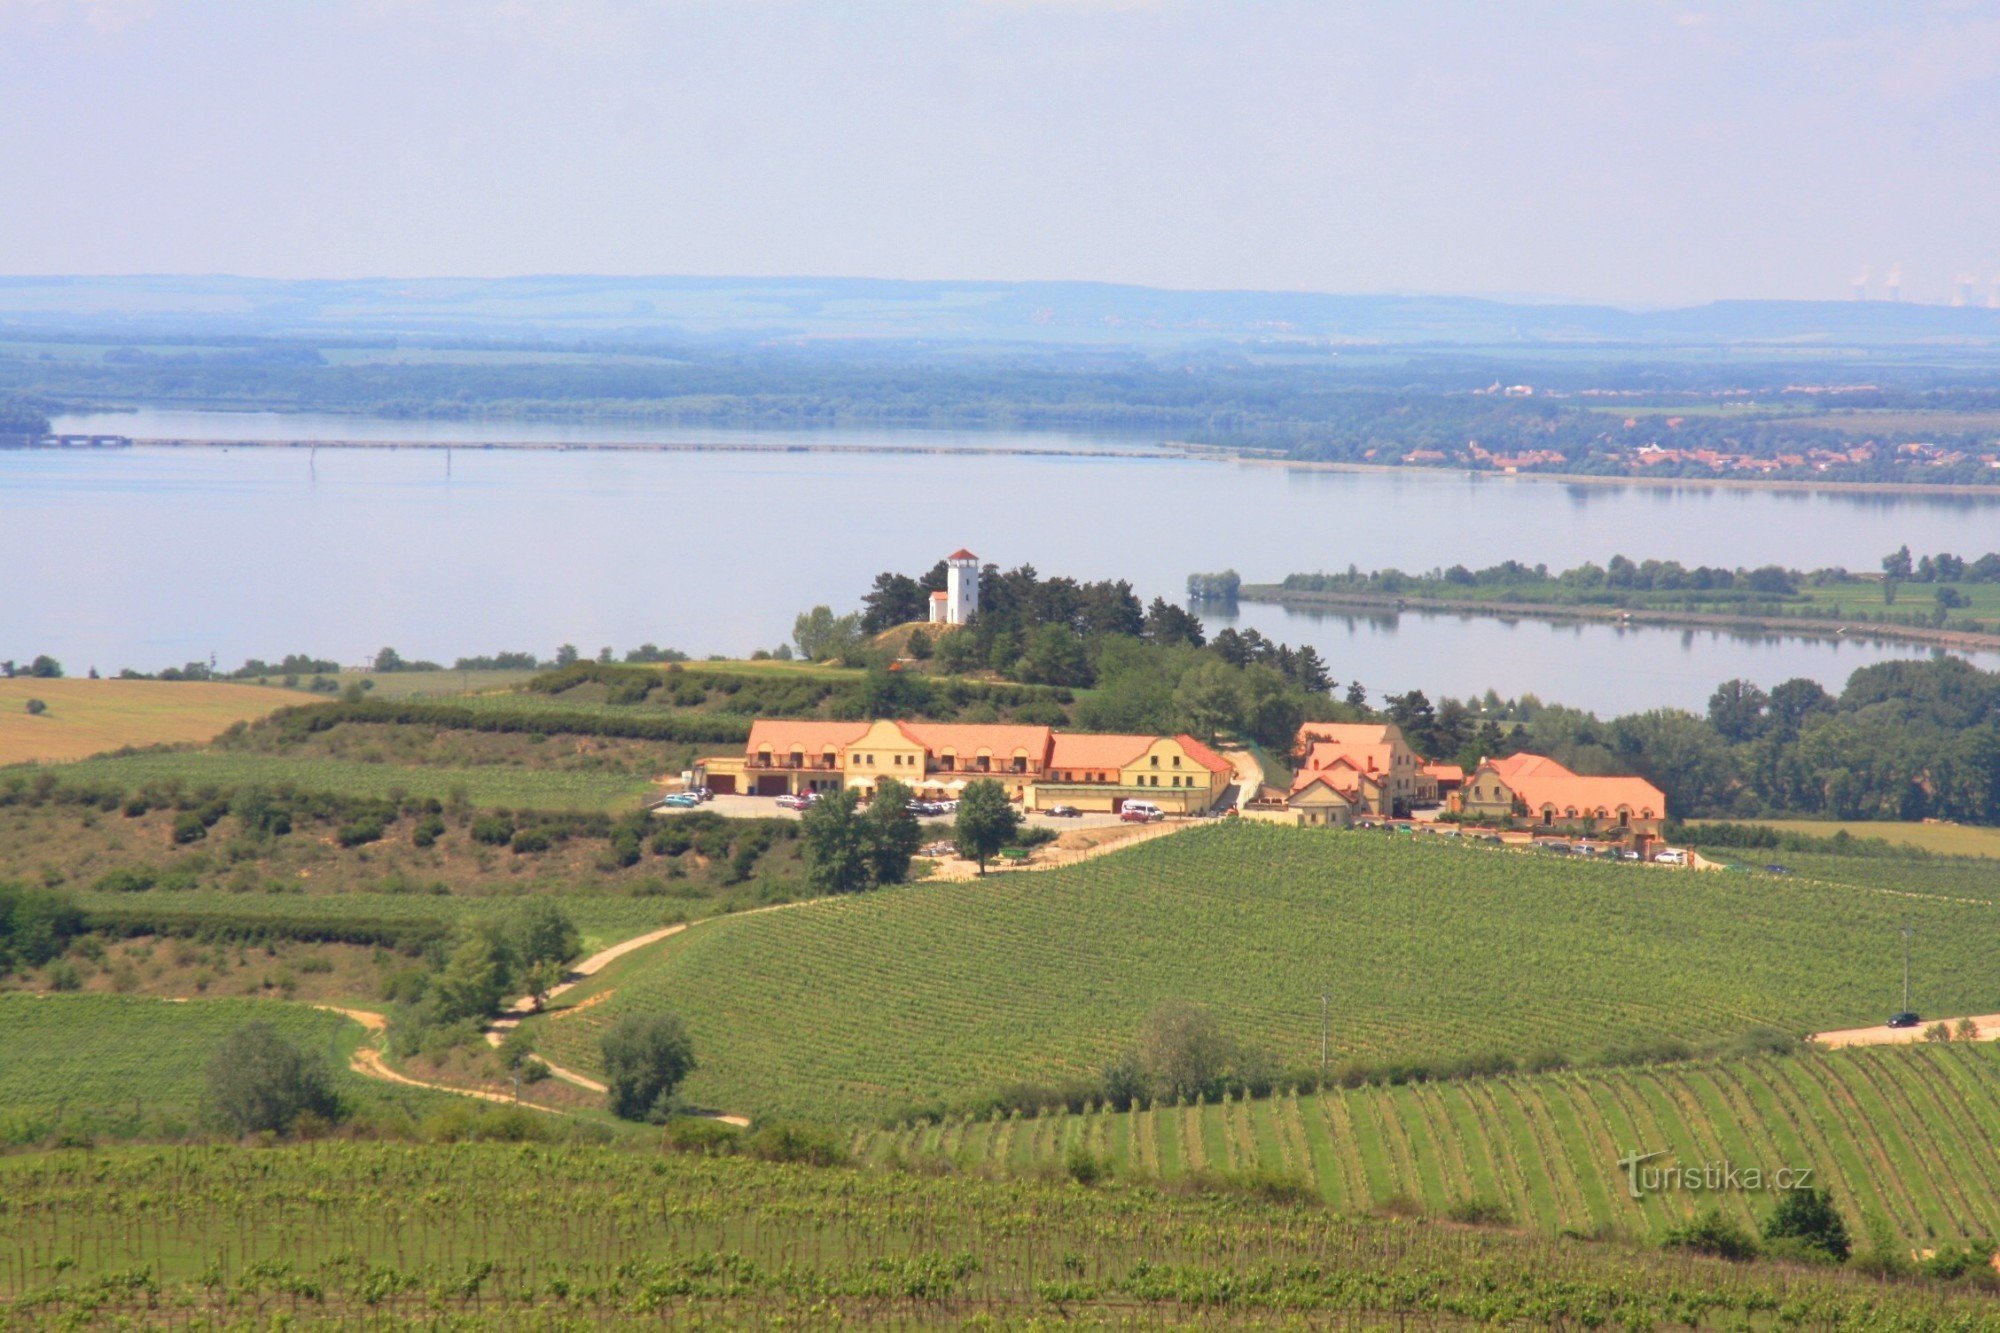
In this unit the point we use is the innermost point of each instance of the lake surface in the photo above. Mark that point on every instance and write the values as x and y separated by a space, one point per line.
149 557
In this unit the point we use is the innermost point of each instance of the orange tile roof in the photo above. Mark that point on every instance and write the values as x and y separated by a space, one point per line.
970 738
961 554
781 734
1306 781
1445 772
1540 781
1085 749
1204 756
1369 758
1343 774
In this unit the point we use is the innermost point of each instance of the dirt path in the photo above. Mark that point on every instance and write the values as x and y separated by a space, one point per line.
510 1018
1051 855
1249 774
1988 1025
367 1061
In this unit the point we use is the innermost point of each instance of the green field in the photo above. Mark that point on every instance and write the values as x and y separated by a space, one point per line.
861 1007
88 1059
601 920
1901 1133
490 1236
495 785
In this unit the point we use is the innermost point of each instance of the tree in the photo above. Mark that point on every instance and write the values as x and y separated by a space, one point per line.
542 933
1809 1217
1169 624
45 667
1054 656
896 599
836 844
260 1082
645 1058
890 833
1357 696
986 820
1412 712
919 645
1736 709
1206 700
1182 1052
473 982
567 655
541 978
822 636
1897 566
36 708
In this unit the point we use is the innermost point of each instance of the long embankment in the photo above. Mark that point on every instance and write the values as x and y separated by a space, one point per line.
1277 594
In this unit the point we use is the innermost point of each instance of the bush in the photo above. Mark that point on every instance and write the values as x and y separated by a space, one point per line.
708 1138
1712 1233
1479 1212
806 1144
261 1082
645 1058
63 976
36 708
1085 1167
362 830
531 840
1809 1217
494 830
188 827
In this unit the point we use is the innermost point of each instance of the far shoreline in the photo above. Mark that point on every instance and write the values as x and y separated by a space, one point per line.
1271 594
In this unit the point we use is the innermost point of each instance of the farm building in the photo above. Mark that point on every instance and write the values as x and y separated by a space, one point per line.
1368 761
1536 791
1039 766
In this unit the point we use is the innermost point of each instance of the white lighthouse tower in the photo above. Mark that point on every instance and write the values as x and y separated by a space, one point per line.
961 586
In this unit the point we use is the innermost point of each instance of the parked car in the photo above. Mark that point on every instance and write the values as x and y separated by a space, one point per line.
1629 855
680 800
1673 856
1140 814
802 801
1063 812
702 793
1561 848
1906 1019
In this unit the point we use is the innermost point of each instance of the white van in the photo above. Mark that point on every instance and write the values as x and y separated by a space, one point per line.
1135 811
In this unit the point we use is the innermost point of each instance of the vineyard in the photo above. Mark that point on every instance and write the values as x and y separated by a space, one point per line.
1900 1133
935 994
492 1236
86 1060
493 786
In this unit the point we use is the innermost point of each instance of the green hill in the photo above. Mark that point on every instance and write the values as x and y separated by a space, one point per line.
939 992
1901 1133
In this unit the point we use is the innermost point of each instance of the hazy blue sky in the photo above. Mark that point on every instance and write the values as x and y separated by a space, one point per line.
1638 152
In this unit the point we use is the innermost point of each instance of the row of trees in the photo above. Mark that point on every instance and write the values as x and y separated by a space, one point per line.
1941 568
850 848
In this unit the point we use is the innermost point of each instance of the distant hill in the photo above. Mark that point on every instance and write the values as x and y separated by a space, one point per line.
974 312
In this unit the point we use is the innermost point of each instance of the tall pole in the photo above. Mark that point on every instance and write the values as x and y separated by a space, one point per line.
1322 1034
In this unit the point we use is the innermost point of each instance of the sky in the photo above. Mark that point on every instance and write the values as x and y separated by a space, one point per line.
1636 153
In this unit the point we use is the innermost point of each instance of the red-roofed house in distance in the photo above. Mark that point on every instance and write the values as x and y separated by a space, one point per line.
1533 791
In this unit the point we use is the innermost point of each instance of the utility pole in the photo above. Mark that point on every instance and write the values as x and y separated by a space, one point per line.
1906 965
1322 1034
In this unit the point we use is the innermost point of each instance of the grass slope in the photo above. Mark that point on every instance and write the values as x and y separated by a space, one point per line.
88 1057
87 717
861 1007
1903 1133
503 1236
496 786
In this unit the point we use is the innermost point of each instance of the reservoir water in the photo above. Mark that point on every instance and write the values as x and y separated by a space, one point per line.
152 556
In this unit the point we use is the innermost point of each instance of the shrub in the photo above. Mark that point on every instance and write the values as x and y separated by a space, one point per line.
807 1144
645 1058
1809 1217
36 708
1086 1167
188 827
1479 1212
361 830
1939 1031
697 1134
531 840
260 1082
427 831
63 976
126 879
1712 1233
494 830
